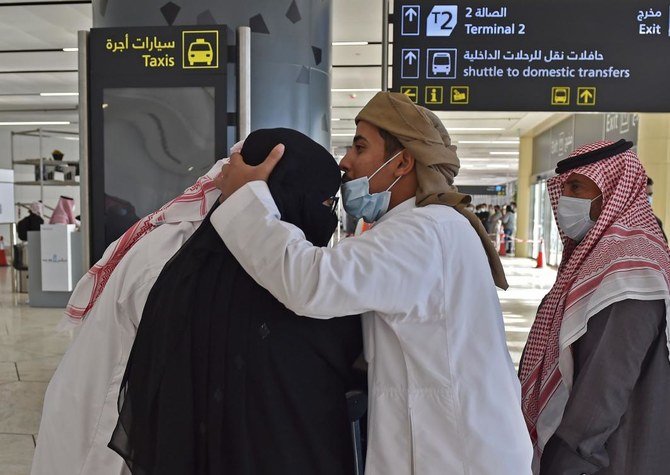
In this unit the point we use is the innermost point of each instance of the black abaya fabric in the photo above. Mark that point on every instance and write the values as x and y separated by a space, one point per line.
222 378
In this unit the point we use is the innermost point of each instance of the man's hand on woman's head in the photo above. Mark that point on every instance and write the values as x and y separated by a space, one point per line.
235 174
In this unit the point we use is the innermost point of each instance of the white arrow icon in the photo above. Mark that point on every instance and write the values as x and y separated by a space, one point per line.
410 57
410 20
410 14
409 68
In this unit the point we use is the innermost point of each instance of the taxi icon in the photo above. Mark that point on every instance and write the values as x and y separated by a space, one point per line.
200 51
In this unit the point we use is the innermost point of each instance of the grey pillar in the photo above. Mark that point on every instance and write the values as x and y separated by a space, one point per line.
290 51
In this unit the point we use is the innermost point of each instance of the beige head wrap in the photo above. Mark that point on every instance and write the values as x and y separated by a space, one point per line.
423 135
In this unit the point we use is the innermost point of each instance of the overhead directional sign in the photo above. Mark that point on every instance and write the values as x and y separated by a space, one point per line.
576 55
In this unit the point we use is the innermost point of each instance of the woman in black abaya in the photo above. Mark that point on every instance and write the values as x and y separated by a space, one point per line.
222 378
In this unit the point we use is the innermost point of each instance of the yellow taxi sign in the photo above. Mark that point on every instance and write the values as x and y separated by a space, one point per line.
200 49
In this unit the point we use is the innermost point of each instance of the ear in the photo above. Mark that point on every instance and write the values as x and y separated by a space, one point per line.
406 164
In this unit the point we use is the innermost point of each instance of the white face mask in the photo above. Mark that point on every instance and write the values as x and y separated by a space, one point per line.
650 199
574 216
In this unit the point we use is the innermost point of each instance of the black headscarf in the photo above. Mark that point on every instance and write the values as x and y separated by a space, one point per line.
222 378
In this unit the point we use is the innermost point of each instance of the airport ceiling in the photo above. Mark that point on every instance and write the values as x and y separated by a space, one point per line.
35 60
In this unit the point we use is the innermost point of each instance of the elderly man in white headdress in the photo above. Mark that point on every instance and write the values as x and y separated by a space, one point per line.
80 405
444 397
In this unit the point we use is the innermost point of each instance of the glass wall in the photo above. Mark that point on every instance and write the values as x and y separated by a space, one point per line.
157 141
543 225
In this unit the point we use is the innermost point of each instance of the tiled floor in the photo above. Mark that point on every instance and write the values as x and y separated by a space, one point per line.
30 350
527 286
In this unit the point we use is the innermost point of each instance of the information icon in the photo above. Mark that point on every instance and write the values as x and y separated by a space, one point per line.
434 95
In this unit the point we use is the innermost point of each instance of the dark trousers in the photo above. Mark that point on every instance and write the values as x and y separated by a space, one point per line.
508 240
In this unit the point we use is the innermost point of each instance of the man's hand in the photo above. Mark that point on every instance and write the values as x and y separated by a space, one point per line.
236 174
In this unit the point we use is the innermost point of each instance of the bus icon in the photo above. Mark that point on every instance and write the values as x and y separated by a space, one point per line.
441 63
560 96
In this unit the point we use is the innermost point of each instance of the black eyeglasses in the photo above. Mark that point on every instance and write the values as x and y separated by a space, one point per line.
332 203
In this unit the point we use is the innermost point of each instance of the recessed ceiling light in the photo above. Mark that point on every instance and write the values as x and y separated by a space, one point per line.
504 153
36 123
343 135
478 129
350 43
70 50
475 159
356 90
50 94
487 142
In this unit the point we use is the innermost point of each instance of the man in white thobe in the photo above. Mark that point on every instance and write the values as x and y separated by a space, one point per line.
80 405
444 398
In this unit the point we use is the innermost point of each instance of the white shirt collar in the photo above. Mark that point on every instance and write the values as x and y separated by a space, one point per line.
404 206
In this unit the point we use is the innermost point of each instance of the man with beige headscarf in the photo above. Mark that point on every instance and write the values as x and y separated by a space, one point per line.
444 397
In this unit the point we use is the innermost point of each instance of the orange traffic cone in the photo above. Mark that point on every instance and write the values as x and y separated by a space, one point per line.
540 256
3 255
502 250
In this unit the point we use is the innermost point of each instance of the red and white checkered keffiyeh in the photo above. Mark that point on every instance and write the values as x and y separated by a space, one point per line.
192 205
624 256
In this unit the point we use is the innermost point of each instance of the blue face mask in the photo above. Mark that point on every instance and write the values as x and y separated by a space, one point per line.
360 203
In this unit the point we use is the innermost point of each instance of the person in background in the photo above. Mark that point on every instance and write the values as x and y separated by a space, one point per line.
64 212
32 222
595 372
443 396
650 194
509 226
494 220
483 215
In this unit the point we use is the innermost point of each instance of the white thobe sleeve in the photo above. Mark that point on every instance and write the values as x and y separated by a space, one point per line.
384 270
131 306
